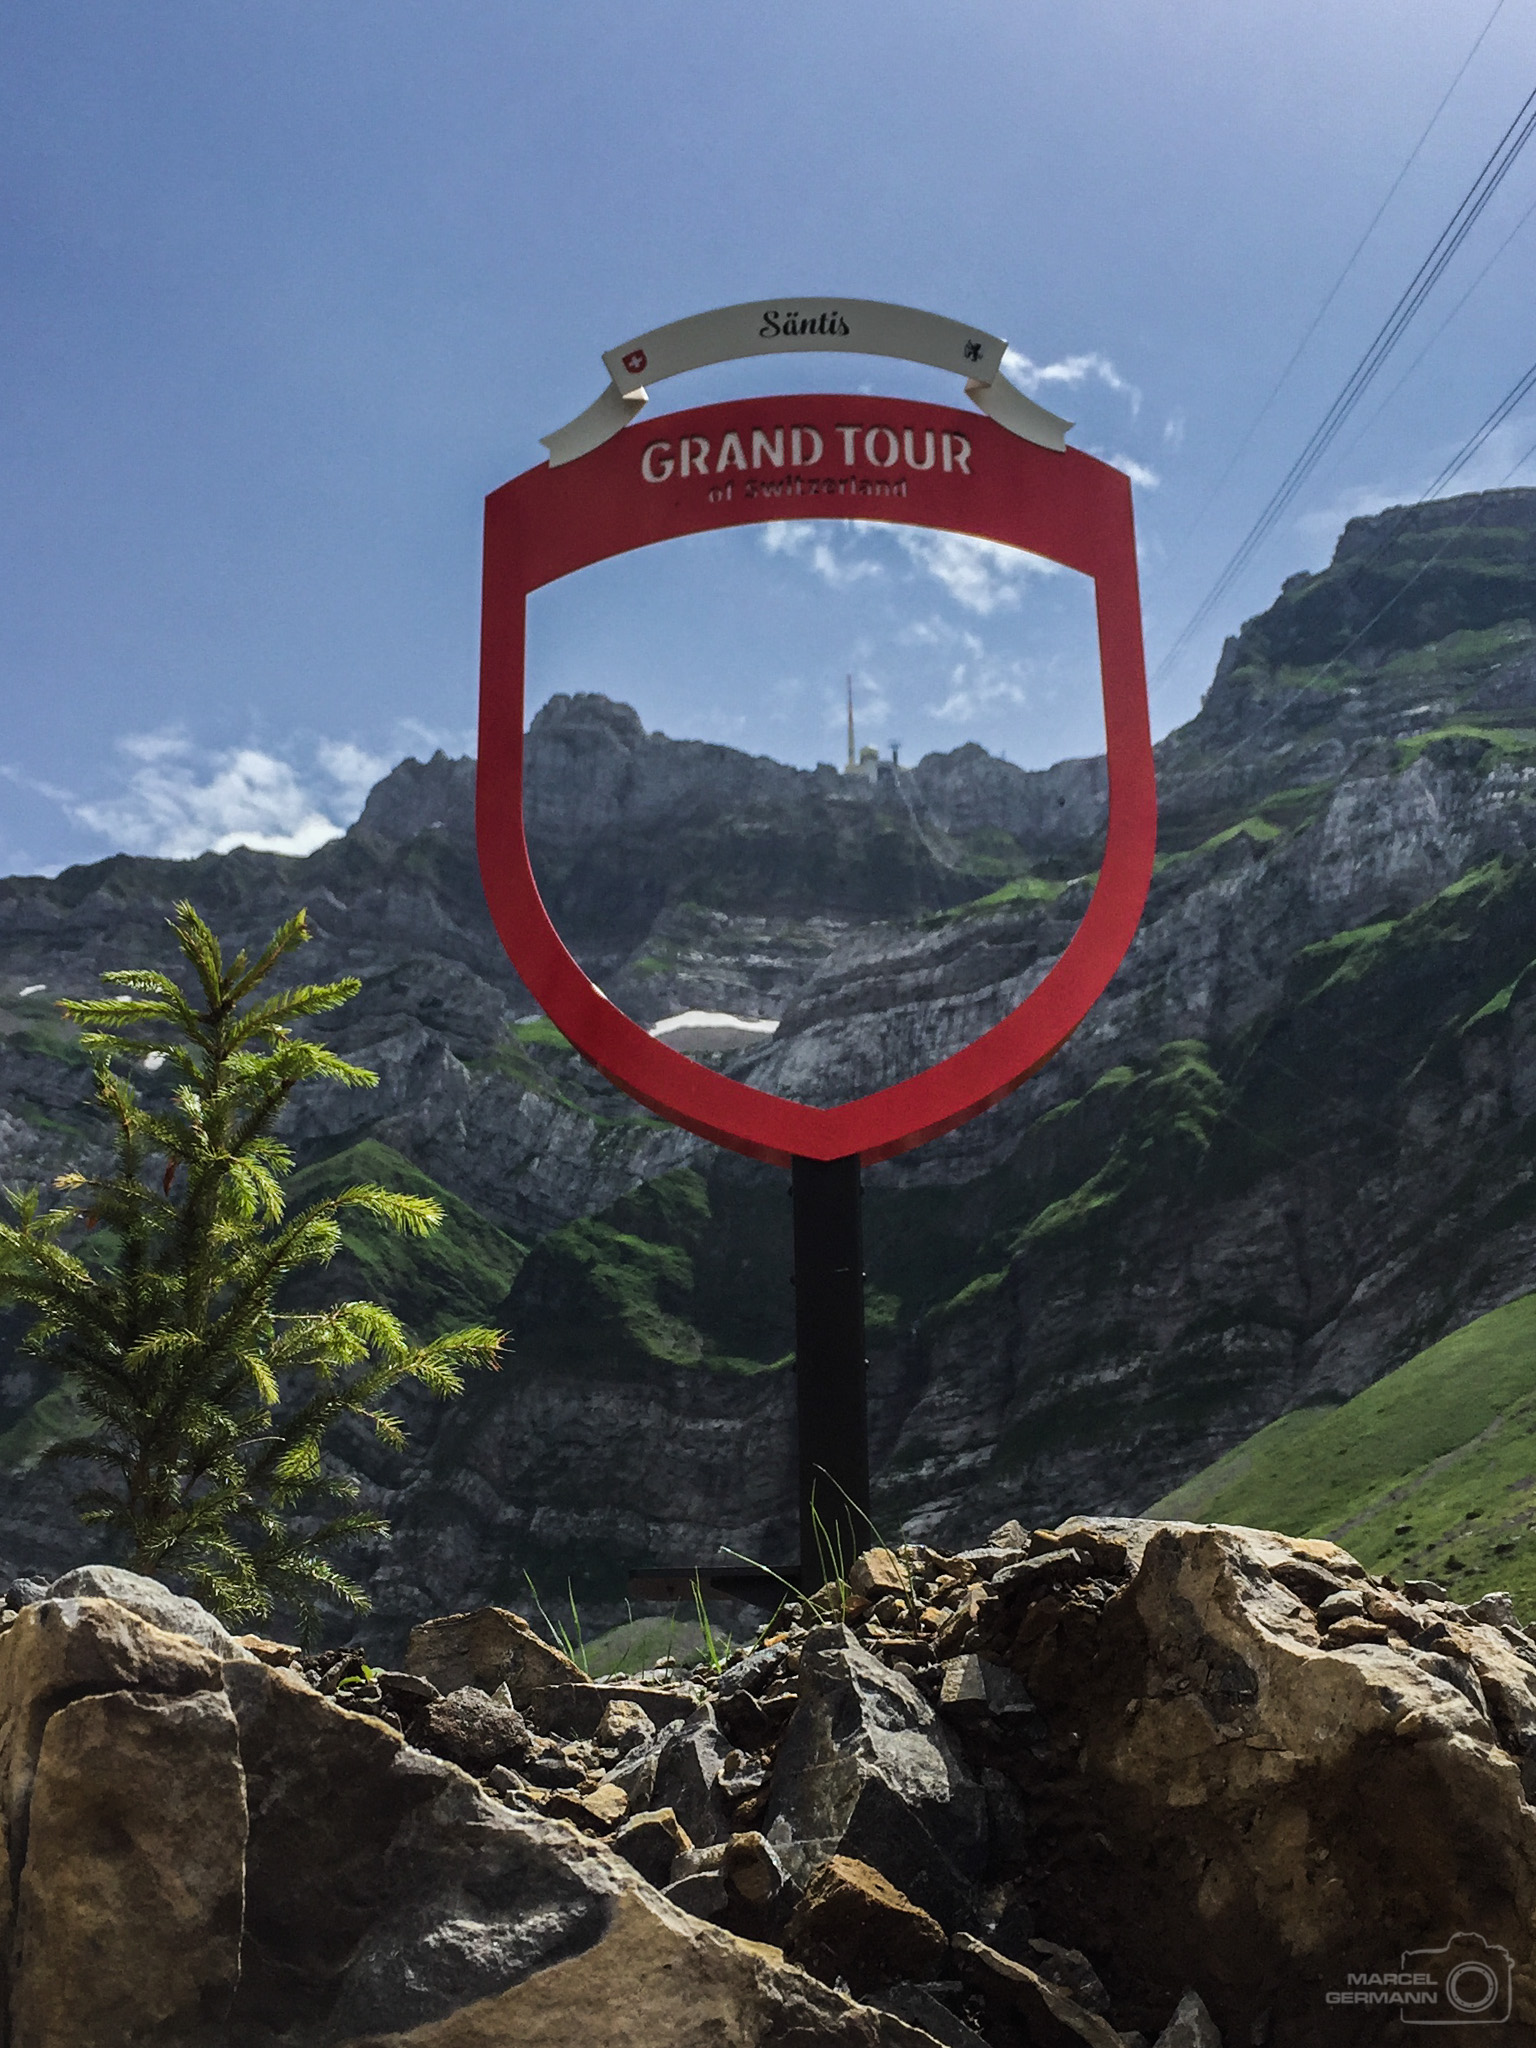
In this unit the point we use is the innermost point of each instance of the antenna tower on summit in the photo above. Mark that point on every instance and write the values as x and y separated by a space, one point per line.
853 759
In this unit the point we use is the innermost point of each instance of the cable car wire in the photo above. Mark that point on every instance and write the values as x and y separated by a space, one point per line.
1424 351
1523 386
1450 239
1338 284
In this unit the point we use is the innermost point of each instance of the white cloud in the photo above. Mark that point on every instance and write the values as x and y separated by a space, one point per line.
1504 457
1323 526
975 684
22 780
980 575
1173 430
427 740
181 800
1070 371
153 746
937 632
717 723
1138 472
972 678
353 770
975 687
16 860
815 546
176 805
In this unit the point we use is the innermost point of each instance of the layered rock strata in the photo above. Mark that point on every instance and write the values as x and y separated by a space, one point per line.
1290 1147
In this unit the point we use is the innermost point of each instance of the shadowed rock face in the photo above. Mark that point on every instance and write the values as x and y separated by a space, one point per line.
866 1770
1287 1149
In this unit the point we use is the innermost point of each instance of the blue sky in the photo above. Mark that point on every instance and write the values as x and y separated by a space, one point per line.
286 288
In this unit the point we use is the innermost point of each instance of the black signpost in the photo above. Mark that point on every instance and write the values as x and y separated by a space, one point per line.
1008 480
831 1370
831 1400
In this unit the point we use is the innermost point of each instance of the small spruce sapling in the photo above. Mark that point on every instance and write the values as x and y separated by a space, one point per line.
206 1406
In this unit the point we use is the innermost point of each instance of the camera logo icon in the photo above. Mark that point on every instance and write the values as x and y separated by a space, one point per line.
1473 1979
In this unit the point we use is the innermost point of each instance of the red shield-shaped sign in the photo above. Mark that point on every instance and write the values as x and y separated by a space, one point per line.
832 457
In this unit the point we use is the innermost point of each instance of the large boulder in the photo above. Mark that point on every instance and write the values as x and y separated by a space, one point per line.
1266 1773
1051 2016
487 1648
659 1979
689 1760
853 1924
1112 1780
119 1918
865 1770
470 1729
151 1601
129 1906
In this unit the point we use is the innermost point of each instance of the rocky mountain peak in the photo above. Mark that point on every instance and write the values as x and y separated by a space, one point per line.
565 716
1051 809
422 796
1399 579
1477 512
1421 622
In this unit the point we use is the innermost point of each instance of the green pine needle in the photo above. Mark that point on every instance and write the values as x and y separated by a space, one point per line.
206 1406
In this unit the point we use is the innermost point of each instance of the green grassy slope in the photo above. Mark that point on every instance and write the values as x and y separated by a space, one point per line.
48 1421
460 1274
1431 1473
658 1279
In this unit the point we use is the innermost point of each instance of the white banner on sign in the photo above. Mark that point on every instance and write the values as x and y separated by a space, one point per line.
805 326
801 326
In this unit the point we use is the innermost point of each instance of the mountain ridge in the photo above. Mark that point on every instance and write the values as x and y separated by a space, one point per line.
1290 1147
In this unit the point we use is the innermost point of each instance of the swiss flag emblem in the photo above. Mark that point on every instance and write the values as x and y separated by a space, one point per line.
634 362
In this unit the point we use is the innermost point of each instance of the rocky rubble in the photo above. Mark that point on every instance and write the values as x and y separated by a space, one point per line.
1115 1783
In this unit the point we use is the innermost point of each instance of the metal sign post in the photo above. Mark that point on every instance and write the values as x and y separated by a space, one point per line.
831 1399
1007 477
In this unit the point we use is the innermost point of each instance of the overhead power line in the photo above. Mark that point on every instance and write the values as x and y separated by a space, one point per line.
1522 387
1361 431
1487 182
1338 284
1506 405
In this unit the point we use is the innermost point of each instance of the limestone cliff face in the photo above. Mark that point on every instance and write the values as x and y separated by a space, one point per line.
1288 1148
